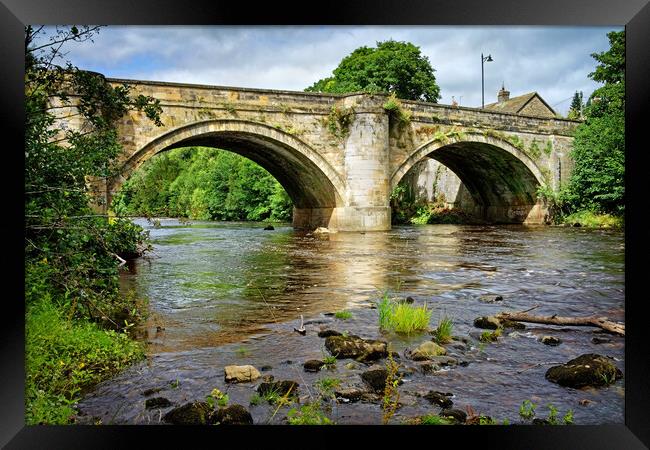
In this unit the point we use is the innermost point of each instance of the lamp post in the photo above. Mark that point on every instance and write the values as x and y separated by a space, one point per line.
485 59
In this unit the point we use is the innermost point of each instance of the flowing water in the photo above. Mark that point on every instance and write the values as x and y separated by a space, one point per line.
232 293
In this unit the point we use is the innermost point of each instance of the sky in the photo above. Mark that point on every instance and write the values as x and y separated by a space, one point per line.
553 61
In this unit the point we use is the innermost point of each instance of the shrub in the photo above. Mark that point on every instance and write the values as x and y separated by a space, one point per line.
442 334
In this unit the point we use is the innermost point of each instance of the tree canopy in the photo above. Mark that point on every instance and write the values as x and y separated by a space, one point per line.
597 180
390 67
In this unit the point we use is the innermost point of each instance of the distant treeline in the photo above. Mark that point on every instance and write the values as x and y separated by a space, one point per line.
204 184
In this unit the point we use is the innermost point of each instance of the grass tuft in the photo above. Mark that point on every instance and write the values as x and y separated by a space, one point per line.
442 334
343 315
402 317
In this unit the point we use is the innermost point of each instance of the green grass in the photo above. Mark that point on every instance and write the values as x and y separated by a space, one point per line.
402 317
64 358
490 336
255 399
329 362
431 419
593 220
309 414
343 315
326 386
442 334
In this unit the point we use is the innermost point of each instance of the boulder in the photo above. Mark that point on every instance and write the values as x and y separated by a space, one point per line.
586 370
439 398
197 413
313 365
157 402
492 323
269 228
152 391
233 415
426 350
428 367
241 374
444 360
355 347
321 230
550 340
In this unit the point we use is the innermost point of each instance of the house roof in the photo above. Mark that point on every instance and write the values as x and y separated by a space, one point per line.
516 104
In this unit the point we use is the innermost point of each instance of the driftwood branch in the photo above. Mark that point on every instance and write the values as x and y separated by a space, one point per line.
593 321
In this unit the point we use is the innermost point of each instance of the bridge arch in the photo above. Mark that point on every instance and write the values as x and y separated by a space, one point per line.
501 179
309 180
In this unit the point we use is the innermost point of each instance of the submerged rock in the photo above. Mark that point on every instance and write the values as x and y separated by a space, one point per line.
355 347
439 398
269 227
600 340
427 350
458 415
376 379
241 374
233 415
351 394
492 323
586 370
197 413
157 402
328 333
490 298
151 391
550 340
313 365
279 387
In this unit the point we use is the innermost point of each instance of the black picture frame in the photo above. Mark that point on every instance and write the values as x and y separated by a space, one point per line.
633 14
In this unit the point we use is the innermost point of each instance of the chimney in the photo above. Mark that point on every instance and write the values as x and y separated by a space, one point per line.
503 95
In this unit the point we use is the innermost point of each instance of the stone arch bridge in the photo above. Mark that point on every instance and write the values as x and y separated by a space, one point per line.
340 156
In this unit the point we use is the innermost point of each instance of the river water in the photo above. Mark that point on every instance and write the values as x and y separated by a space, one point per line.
231 293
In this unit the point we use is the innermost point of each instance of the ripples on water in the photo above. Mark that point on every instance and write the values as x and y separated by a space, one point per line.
231 293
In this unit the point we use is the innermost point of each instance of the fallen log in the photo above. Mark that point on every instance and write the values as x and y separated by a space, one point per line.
593 321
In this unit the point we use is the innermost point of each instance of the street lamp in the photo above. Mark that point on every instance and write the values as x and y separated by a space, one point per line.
485 59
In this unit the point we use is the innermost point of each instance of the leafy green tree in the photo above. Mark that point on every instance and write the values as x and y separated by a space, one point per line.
597 180
390 67
575 110
71 253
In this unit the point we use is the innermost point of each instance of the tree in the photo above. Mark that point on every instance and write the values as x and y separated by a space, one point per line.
73 305
391 67
575 110
597 180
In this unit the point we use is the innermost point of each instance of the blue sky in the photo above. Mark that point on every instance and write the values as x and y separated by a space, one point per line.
554 61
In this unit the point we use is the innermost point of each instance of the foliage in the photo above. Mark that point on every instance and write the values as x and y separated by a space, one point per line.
255 399
217 398
593 220
71 253
205 184
597 179
442 333
309 414
490 336
339 120
575 110
390 399
402 317
343 315
64 358
326 386
396 110
527 413
390 67
431 419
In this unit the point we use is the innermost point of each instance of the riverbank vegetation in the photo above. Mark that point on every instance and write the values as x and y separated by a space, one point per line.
595 193
76 321
203 184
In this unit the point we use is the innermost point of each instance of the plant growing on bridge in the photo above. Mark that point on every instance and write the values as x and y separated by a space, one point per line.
339 120
393 106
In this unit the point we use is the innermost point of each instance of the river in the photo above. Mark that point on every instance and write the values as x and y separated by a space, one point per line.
231 293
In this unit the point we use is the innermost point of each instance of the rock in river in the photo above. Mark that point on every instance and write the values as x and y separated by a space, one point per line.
426 350
328 333
313 365
375 379
355 347
550 340
157 402
241 374
197 413
586 370
439 398
233 415
278 387
492 323
490 298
